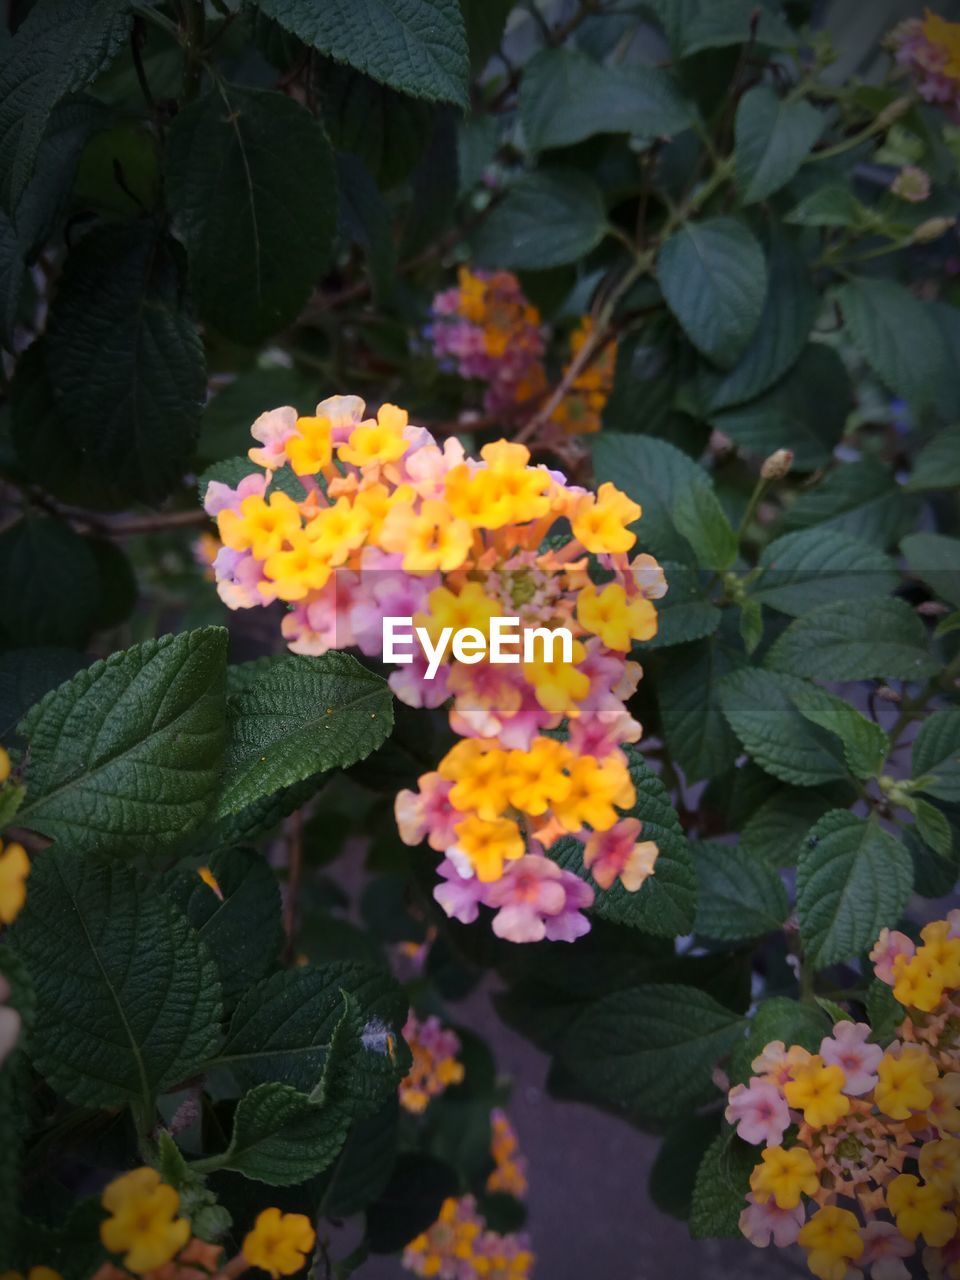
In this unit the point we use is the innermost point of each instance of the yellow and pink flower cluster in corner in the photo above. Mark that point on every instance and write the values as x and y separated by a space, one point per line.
392 524
929 48
486 329
861 1153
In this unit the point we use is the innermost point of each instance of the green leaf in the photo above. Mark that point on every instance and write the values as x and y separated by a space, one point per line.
831 205
699 517
225 427
125 757
125 360
128 1001
805 412
685 613
485 21
385 129
687 685
937 465
546 219
252 189
282 1027
674 1172
896 335
778 1019
52 574
738 896
653 473
788 315
776 830
751 624
936 754
819 566
410 1202
773 138
651 1050
59 47
846 641
717 24
720 1190
365 1164
759 706
417 46
933 827
232 470
281 1138
25 676
241 926
935 560
884 1012
859 499
297 718
865 744
714 278
665 904
853 879
566 97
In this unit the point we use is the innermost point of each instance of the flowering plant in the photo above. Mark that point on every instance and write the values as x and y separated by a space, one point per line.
478 563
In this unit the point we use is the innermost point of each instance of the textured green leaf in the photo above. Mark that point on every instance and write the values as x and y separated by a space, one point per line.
937 466
365 1164
125 757
674 1171
853 879
759 706
805 412
241 927
301 716
933 827
52 574
936 753
685 613
897 336
884 1012
650 1050
816 566
280 1137
720 1191
776 830
865 744
546 219
665 904
714 278
252 189
788 315
566 97
417 46
773 138
699 517
386 129
687 685
738 896
716 24
125 360
935 560
831 205
859 499
59 47
847 641
778 1019
283 1026
128 1001
653 473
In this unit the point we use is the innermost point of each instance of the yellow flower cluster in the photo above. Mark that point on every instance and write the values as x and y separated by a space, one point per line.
14 869
866 1137
509 1173
580 412
435 1065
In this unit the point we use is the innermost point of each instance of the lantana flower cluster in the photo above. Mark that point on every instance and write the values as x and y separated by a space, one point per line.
486 329
435 1068
459 1245
861 1154
929 48
145 1225
391 524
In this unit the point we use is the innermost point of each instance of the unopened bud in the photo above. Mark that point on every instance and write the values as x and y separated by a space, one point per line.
777 465
932 229
886 694
899 107
932 609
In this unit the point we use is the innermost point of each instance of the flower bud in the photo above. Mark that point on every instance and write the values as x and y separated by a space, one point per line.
932 229
777 465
